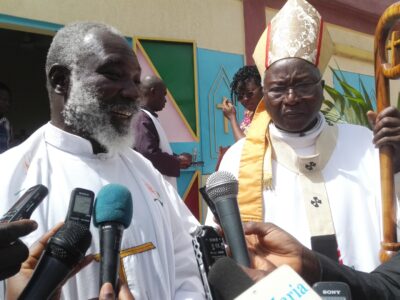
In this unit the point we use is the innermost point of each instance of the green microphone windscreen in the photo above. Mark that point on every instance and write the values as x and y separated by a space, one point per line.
113 204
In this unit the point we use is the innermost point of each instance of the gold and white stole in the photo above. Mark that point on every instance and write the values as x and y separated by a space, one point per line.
309 171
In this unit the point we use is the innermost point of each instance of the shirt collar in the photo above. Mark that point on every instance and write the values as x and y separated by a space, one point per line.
296 140
68 142
149 110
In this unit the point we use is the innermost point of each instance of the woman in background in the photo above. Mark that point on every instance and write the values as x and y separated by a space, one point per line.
245 88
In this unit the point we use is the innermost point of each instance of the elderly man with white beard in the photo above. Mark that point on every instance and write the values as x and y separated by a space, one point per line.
93 81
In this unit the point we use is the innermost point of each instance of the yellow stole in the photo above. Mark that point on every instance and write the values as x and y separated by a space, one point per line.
255 173
252 177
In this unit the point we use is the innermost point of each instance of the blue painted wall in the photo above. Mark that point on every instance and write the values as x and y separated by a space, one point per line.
354 80
215 72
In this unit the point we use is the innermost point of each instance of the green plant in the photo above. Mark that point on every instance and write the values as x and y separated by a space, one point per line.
351 106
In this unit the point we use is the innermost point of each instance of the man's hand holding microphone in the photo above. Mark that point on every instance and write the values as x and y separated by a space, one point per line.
13 252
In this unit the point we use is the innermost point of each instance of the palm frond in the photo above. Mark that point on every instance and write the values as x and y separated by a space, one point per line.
349 106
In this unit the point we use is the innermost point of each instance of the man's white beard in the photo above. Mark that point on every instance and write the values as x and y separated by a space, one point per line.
83 113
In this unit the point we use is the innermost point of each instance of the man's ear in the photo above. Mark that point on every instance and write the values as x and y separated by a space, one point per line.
59 79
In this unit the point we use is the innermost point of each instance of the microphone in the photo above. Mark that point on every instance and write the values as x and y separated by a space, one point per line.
222 188
63 252
112 214
227 279
231 282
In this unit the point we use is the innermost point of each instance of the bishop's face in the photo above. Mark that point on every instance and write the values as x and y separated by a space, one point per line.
293 94
104 90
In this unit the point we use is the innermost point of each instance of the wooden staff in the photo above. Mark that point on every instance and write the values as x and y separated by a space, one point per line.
383 72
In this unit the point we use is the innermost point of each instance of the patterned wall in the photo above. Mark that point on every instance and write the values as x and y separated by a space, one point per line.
193 124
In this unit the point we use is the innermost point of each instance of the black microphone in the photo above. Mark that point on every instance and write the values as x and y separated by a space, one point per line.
231 282
112 214
222 187
63 252
227 279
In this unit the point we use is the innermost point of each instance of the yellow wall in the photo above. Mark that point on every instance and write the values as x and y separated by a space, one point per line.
212 24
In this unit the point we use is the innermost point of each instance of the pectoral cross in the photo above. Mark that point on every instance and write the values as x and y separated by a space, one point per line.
393 46
220 106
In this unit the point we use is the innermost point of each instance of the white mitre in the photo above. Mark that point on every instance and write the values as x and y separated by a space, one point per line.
297 30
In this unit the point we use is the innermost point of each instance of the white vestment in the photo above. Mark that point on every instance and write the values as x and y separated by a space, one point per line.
164 144
352 184
62 162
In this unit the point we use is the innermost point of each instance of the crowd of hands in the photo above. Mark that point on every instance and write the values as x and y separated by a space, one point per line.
269 247
17 262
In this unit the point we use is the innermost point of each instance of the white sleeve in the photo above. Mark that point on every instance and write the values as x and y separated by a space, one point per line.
185 215
188 284
230 162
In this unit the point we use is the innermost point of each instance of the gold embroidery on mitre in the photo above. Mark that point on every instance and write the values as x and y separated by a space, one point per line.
128 252
297 30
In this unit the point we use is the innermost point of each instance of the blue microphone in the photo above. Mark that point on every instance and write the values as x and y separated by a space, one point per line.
112 214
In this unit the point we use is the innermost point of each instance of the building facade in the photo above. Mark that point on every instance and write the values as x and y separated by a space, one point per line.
195 46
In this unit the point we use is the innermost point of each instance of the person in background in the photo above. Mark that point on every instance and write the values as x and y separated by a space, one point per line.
150 138
245 88
5 127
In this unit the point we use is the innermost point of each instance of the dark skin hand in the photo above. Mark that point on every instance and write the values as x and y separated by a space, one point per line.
13 252
386 128
228 109
107 292
270 247
17 283
185 160
229 112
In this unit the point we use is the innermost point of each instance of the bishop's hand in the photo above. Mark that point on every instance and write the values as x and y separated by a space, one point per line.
386 127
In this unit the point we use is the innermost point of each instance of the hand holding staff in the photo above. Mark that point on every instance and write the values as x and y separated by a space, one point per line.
383 72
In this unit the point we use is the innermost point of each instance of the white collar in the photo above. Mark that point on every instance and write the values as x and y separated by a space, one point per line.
299 140
70 143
